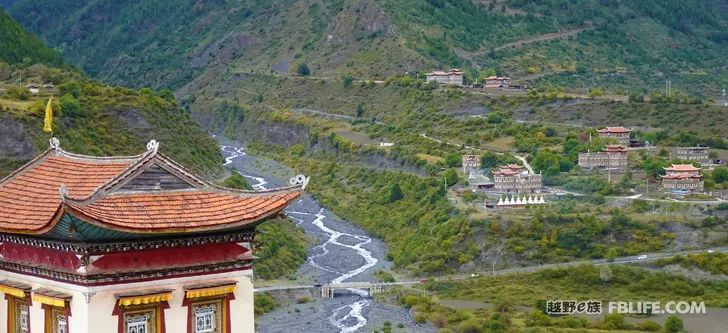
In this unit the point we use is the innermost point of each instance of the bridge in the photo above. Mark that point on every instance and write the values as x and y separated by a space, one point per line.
327 290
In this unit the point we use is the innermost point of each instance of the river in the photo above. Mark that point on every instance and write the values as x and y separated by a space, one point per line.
341 253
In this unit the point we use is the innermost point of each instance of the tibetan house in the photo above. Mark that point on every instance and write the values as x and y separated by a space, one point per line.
621 134
613 157
133 244
682 177
697 154
513 178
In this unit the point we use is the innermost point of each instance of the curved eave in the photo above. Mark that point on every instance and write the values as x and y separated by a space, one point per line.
78 213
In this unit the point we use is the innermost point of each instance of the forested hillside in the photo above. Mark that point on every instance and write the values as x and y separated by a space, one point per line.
577 44
18 45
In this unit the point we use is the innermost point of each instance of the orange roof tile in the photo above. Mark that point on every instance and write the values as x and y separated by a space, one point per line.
31 201
615 130
30 197
181 211
682 167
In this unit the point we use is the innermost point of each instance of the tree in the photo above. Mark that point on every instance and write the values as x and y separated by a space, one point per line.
453 160
488 160
720 175
395 193
605 274
237 181
359 110
70 106
303 69
595 92
673 323
451 177
347 80
611 254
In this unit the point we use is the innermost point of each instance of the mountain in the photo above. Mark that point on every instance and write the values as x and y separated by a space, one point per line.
90 117
568 43
17 45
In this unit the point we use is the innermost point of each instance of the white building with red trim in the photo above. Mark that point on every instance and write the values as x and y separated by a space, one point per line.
613 157
127 244
513 178
452 77
682 177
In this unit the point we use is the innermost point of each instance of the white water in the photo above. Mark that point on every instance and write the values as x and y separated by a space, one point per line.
356 308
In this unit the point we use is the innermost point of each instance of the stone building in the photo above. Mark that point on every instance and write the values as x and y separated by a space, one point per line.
621 134
453 77
128 244
513 178
613 157
696 154
682 177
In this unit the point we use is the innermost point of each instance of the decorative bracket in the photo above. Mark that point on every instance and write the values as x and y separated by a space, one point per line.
54 143
152 145
299 180
88 295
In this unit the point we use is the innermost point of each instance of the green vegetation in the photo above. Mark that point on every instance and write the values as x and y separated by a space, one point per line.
716 263
502 299
18 46
283 249
237 181
608 46
264 303
97 119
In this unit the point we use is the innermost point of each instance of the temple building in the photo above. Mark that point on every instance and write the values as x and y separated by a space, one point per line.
682 177
131 244
513 178
471 163
696 154
621 134
453 77
613 157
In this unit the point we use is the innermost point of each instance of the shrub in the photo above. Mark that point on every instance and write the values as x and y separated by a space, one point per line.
303 300
303 69
673 323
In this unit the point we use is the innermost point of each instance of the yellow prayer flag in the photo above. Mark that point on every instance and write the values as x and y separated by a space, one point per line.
48 123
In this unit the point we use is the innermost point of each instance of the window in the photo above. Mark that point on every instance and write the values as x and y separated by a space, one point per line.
18 311
137 324
204 319
62 324
207 317
23 316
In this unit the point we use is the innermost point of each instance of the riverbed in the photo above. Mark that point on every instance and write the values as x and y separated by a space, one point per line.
341 252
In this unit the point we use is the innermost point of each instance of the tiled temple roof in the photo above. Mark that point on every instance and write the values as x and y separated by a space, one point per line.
35 197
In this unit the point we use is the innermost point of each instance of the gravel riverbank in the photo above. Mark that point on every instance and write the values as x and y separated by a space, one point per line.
341 252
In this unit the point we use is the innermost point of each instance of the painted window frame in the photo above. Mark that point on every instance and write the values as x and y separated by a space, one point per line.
13 317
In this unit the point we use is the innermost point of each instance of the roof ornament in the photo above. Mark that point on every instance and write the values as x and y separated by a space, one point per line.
152 145
54 143
299 180
64 192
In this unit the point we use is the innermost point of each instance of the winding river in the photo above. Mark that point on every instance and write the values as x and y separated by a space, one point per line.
326 256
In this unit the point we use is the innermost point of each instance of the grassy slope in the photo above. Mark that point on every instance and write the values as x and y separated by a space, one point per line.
626 44
92 118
